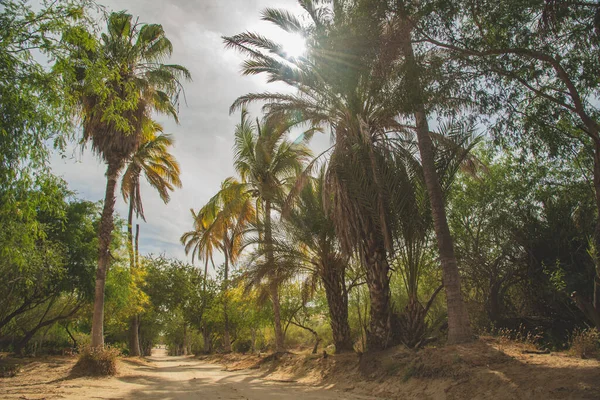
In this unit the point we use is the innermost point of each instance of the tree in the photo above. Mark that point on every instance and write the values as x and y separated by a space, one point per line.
34 99
122 82
305 245
162 172
534 65
268 164
353 80
227 215
48 246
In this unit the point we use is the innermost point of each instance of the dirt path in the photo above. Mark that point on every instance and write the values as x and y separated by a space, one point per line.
163 378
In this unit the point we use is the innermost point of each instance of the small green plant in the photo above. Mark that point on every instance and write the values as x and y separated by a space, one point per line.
585 343
97 361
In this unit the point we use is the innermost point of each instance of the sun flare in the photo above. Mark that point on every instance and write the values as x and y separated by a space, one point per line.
293 45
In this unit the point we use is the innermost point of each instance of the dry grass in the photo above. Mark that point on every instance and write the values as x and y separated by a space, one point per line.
96 362
585 343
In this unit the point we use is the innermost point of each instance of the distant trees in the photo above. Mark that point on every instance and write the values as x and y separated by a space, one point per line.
161 170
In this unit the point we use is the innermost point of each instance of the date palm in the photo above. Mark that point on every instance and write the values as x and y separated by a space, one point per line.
340 89
161 170
351 81
122 82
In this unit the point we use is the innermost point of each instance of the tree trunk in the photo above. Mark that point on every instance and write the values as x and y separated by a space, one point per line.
71 336
137 245
134 340
378 282
206 340
185 340
226 336
274 285
337 300
493 303
459 329
595 306
104 239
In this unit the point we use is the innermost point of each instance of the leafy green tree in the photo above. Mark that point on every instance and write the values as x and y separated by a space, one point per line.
49 247
522 234
122 80
534 65
34 99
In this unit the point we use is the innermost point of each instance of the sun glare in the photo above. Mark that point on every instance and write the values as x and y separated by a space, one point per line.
293 45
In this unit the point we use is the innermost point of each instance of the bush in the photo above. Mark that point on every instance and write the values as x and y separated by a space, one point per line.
585 343
242 346
97 362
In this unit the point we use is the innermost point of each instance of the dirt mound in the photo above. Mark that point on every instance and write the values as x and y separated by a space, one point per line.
485 369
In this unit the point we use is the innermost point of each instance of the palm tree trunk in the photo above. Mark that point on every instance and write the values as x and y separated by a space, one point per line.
337 301
274 285
137 245
595 306
378 282
459 329
134 340
226 337
104 239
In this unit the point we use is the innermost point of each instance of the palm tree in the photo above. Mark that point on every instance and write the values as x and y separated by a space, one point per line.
345 90
269 164
121 83
459 329
162 171
305 244
229 212
202 245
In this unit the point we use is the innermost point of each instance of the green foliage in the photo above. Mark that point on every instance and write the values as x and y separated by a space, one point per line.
48 246
34 99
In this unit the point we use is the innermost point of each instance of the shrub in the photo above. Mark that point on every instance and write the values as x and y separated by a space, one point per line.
242 345
585 343
97 362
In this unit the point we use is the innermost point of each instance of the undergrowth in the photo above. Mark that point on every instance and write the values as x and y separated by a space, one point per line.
585 343
97 361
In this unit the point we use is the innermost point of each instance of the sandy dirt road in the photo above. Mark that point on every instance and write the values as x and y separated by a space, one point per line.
165 377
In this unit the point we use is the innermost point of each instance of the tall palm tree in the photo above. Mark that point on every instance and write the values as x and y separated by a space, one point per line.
400 33
340 83
269 164
122 82
161 170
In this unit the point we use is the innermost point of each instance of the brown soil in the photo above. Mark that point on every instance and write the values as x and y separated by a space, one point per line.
486 369
158 377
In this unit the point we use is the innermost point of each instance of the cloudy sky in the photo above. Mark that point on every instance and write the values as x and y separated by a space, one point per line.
204 138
